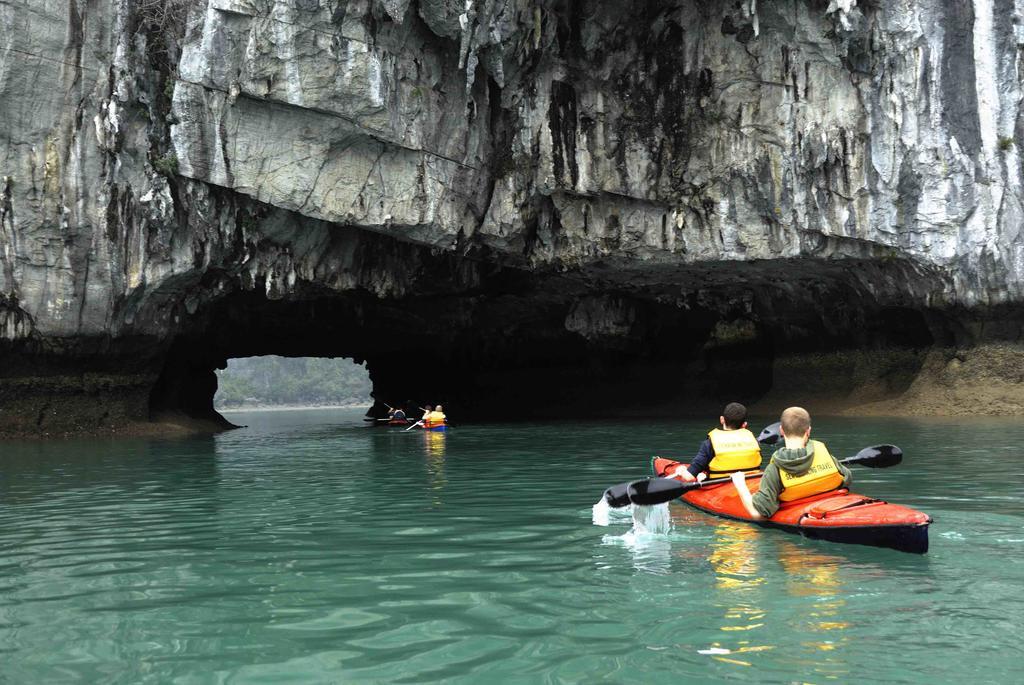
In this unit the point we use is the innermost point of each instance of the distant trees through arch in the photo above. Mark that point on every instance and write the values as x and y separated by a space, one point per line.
292 381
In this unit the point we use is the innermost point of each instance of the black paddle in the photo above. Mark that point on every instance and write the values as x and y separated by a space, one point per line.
620 493
771 434
370 418
657 490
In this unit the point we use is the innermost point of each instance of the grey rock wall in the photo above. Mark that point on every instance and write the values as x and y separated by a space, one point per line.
681 132
158 156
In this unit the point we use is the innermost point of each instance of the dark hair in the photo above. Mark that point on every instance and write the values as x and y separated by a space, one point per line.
734 414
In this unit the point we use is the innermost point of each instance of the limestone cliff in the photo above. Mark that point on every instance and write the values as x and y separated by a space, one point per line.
581 201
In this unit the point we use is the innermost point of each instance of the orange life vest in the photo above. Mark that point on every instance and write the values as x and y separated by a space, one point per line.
434 418
822 476
735 450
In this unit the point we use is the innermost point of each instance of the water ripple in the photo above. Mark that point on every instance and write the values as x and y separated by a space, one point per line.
313 551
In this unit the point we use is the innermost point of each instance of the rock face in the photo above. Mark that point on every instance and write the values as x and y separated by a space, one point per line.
558 205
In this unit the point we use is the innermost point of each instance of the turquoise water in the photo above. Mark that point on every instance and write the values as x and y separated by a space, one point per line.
308 548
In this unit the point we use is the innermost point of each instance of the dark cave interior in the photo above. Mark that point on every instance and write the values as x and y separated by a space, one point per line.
567 347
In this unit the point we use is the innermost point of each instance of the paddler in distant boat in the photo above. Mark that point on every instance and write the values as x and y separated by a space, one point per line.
729 449
396 414
802 468
434 418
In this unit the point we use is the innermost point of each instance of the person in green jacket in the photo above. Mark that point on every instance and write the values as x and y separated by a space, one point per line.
802 468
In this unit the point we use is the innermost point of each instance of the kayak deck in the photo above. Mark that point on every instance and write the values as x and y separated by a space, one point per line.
837 516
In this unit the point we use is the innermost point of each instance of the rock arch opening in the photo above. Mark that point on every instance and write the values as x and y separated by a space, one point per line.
274 381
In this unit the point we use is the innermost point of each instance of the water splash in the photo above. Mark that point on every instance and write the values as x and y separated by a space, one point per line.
651 547
646 539
654 519
714 650
604 515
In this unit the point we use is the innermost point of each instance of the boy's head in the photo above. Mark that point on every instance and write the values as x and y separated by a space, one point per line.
734 415
795 422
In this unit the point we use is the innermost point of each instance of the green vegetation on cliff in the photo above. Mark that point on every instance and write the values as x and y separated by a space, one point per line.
276 380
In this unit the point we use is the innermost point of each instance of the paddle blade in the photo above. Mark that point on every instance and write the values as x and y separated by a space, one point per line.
877 457
770 435
657 490
617 495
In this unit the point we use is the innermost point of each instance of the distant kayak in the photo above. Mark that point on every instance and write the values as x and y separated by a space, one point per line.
837 516
388 422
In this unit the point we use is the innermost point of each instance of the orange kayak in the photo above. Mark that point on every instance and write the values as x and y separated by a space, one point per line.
837 516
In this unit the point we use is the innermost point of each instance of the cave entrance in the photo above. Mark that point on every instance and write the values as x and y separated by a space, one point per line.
274 381
560 352
561 347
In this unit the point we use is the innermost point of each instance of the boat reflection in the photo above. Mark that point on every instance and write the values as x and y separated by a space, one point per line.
434 451
741 595
814 577
746 590
734 556
434 442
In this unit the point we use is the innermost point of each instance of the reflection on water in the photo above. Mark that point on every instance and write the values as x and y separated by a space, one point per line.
734 556
740 592
434 449
811 577
814 575
435 443
815 578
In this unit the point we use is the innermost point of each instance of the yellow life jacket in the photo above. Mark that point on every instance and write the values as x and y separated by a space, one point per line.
434 418
822 476
735 450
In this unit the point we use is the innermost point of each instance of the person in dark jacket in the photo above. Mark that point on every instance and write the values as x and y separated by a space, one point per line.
726 450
